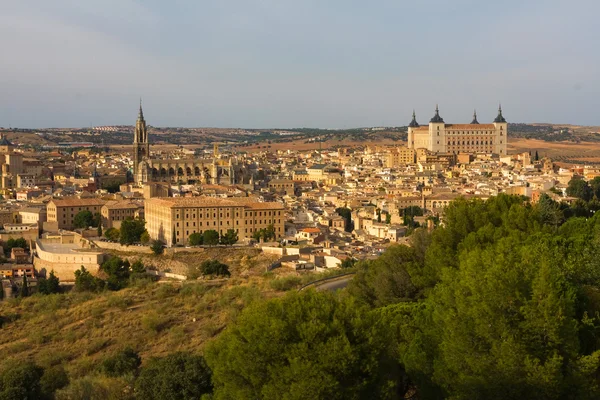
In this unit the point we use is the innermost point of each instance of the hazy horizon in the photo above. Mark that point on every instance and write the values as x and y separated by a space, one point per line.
286 64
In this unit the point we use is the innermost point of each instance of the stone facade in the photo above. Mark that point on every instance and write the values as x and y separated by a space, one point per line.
440 137
173 220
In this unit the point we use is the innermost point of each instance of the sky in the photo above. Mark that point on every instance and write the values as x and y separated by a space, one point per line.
300 63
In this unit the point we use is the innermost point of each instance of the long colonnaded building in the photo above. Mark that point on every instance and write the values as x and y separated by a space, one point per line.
173 219
440 137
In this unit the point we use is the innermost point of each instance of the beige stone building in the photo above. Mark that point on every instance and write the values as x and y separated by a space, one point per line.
62 212
115 212
172 220
400 155
440 137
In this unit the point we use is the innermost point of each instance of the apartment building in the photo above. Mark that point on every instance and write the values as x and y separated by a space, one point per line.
62 212
173 219
115 212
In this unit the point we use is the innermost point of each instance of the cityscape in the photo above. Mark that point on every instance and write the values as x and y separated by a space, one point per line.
286 229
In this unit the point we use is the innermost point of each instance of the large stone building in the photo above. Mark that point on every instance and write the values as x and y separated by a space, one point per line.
440 137
401 155
172 220
213 170
62 212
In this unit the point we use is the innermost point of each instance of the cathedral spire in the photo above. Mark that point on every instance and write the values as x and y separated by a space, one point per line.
141 113
474 117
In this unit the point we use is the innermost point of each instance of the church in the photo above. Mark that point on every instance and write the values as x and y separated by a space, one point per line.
440 137
215 170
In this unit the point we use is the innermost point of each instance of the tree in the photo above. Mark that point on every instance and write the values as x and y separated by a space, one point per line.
537 157
86 282
22 381
83 219
145 238
270 233
126 361
99 230
118 271
395 276
53 379
138 267
12 243
196 239
309 343
131 231
24 287
97 219
210 237
50 285
176 376
157 247
230 237
214 267
579 188
388 218
112 234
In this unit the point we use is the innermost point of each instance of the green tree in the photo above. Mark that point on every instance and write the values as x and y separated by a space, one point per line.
83 219
112 234
388 218
50 285
53 379
86 282
22 381
393 277
118 272
230 237
24 292
99 230
210 237
579 188
131 231
126 361
145 238
214 267
196 239
177 376
306 345
537 156
157 247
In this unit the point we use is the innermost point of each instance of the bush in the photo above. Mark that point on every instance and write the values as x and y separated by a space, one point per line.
214 267
112 234
145 238
285 284
157 247
123 362
176 376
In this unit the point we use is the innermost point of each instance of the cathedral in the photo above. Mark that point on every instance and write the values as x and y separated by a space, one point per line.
215 170
441 137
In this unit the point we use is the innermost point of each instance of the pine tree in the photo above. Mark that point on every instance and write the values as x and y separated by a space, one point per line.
99 230
25 288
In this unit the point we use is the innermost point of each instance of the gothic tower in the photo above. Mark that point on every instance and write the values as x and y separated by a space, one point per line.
141 147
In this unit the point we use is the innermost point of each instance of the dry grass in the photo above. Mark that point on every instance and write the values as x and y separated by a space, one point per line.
79 330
